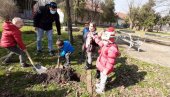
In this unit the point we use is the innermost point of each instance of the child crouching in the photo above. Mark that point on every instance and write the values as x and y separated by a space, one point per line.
107 55
65 50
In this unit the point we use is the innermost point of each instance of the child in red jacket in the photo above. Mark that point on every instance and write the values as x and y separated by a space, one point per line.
11 40
107 54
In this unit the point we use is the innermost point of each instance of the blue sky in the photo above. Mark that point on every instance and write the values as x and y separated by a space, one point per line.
122 5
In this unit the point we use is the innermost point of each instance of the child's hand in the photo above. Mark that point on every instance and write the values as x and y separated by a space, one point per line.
100 33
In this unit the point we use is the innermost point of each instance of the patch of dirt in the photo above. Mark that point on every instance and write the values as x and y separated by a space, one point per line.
58 75
63 76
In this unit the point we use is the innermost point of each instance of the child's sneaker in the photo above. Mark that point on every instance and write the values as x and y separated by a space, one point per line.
66 65
38 52
97 85
87 66
26 65
99 91
6 62
52 53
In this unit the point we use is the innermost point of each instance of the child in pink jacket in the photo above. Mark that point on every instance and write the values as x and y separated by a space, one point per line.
107 55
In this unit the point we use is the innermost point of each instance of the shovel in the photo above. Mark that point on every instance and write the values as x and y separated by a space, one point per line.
58 60
40 69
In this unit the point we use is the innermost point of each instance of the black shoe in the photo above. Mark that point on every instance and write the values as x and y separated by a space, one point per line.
87 66
97 74
39 52
4 62
26 65
52 53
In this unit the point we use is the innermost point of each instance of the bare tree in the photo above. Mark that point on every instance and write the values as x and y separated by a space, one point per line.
133 12
8 9
163 6
131 6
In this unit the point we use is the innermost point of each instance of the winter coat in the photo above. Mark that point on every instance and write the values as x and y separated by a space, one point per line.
90 43
107 56
67 47
85 32
44 19
11 36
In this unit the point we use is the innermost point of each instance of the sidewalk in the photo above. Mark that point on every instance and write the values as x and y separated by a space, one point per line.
155 49
151 53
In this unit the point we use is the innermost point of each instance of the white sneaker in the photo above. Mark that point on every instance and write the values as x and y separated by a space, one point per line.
99 91
97 85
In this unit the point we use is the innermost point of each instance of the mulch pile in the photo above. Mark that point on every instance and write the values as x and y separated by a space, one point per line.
58 75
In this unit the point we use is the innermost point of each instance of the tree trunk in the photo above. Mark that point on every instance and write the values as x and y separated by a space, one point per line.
69 22
131 24
160 28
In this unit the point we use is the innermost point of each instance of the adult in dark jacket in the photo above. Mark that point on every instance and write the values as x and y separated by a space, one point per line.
11 39
43 20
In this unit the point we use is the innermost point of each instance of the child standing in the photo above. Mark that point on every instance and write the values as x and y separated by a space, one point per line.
85 31
84 36
108 54
11 40
65 50
90 45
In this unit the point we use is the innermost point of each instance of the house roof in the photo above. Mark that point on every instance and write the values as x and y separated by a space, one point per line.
121 15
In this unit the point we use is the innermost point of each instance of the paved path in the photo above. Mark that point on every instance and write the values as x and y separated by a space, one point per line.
152 53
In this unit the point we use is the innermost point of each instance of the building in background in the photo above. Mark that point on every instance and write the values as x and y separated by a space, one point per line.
121 20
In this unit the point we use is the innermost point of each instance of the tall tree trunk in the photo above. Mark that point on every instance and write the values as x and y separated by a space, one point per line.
69 22
131 23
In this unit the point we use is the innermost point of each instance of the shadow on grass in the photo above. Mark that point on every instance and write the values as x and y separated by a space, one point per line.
18 84
51 93
125 75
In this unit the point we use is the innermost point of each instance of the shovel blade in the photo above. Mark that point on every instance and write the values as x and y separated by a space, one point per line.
40 69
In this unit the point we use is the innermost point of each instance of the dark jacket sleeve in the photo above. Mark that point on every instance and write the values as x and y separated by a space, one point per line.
57 22
37 16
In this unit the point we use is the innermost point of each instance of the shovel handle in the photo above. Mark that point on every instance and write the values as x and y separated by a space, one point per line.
29 57
58 60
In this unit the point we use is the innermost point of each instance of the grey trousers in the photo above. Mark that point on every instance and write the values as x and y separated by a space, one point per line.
67 59
89 57
15 50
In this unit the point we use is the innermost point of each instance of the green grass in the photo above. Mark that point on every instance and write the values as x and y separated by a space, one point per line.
132 77
160 33
0 26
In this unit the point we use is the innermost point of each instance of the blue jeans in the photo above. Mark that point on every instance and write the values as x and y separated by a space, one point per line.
40 33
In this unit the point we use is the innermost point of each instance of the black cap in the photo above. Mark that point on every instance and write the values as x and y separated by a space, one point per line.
53 5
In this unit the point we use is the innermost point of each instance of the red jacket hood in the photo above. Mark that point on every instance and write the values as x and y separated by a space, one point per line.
8 26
